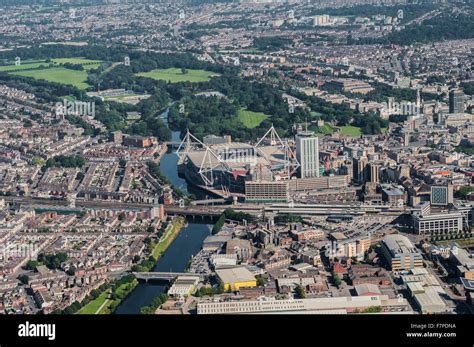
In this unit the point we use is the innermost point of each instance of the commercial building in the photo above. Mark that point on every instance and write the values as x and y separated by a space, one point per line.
234 278
350 85
360 169
400 253
242 249
307 154
374 172
393 195
266 191
440 226
442 195
349 248
456 101
183 286
139 141
337 305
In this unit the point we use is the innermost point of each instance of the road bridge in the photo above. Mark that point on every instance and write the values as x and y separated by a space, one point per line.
164 276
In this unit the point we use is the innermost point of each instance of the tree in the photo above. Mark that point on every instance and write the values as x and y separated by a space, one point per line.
31 265
336 279
300 292
23 279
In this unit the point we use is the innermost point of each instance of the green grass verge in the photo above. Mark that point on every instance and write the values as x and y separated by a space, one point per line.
251 119
174 75
94 306
172 231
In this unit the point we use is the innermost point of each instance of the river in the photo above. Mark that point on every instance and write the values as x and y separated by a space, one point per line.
176 258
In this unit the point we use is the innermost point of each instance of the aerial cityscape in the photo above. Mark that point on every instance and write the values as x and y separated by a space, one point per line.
207 157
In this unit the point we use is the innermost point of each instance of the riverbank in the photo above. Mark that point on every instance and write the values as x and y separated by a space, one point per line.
172 231
111 297
187 243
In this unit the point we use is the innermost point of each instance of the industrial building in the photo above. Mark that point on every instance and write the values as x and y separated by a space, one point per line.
234 278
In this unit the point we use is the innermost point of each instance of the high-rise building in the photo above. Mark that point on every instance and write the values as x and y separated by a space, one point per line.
307 154
360 169
456 101
442 195
374 173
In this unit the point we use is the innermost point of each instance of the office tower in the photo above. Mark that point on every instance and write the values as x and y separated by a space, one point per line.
374 173
442 195
307 154
360 169
456 101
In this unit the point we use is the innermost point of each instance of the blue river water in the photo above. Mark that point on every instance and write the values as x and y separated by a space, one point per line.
176 258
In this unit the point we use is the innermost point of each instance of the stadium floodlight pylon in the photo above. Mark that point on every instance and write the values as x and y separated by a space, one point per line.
290 162
208 164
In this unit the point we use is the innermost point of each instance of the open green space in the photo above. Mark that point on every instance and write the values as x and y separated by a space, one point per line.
326 129
251 119
175 75
23 66
59 75
94 306
350 130
37 64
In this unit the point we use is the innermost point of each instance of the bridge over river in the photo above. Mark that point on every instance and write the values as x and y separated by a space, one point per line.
164 276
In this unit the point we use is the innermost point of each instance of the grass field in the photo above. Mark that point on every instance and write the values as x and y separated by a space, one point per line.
326 129
23 66
251 119
350 130
59 75
93 306
174 75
